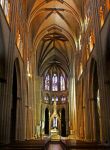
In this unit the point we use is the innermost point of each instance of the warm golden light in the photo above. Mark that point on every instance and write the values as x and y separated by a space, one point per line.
80 70
108 4
86 22
29 75
87 51
19 43
101 16
92 41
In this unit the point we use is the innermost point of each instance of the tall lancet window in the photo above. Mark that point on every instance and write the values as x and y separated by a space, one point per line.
62 83
54 83
55 122
47 82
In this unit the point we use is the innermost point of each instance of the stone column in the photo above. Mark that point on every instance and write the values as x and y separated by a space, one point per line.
100 69
38 101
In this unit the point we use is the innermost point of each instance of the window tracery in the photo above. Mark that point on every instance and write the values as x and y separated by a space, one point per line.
55 122
46 98
56 99
63 98
55 82
52 99
47 83
62 83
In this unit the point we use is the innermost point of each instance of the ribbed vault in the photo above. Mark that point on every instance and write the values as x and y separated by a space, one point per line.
55 26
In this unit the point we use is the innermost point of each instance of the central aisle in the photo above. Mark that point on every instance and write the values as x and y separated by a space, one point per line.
55 147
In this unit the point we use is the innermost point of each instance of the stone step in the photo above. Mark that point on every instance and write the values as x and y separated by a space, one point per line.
69 144
24 145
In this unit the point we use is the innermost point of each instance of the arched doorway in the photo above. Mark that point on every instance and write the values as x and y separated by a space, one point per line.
96 103
14 106
47 121
55 124
63 123
16 116
95 111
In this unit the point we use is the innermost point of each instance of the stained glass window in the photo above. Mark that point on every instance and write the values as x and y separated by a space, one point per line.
47 83
62 83
63 98
54 83
56 99
52 99
54 122
46 98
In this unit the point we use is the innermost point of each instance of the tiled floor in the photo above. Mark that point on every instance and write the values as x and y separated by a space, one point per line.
55 147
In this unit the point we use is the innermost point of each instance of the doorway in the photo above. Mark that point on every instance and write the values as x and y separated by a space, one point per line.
14 107
47 121
96 98
63 123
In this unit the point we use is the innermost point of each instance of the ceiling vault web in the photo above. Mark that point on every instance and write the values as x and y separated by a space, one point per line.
55 26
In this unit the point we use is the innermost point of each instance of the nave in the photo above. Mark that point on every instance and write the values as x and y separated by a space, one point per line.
54 74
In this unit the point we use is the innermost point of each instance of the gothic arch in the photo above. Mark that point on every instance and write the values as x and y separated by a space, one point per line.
91 72
18 71
63 122
94 101
58 122
47 121
16 95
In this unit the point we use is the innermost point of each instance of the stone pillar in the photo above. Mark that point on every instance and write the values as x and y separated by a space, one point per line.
102 88
38 102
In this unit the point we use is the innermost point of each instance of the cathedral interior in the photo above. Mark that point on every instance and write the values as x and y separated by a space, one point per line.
54 74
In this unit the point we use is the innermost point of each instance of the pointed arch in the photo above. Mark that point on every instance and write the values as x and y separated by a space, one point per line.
94 101
16 95
18 71
63 122
47 121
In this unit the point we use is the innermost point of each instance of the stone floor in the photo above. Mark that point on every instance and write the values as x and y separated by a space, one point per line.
59 147
55 147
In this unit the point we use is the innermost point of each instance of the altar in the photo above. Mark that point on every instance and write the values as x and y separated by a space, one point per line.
54 131
55 134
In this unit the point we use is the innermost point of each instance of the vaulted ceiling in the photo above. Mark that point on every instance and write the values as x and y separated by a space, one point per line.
55 26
